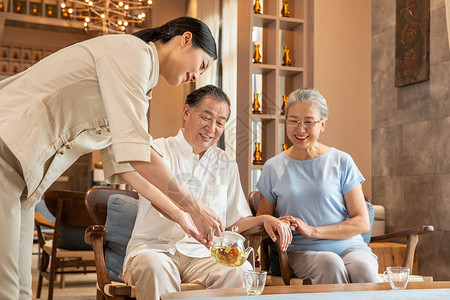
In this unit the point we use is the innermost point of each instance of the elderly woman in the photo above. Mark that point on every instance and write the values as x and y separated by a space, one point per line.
318 190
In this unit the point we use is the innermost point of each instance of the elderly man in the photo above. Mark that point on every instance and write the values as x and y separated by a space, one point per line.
160 255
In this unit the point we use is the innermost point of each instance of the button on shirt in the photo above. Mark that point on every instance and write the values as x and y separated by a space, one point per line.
213 179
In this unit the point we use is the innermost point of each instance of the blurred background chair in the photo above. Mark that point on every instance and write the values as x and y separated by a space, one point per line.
389 254
67 252
114 213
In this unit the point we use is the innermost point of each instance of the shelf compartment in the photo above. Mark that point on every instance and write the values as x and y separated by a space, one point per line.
26 54
264 85
290 23
264 36
288 84
263 68
260 117
4 51
290 71
269 7
295 7
263 20
15 53
263 132
36 55
4 66
293 39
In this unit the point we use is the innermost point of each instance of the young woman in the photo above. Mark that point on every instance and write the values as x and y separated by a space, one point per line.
93 95
318 190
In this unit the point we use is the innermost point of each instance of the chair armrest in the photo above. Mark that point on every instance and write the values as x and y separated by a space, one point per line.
286 271
402 234
95 231
254 236
95 235
119 290
258 230
412 235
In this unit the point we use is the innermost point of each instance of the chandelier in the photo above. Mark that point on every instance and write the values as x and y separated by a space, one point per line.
109 16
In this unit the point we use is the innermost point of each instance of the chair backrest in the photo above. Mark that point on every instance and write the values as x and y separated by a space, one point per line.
117 209
73 211
71 218
367 235
96 200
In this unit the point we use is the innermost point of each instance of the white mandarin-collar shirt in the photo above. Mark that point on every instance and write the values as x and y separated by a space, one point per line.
213 179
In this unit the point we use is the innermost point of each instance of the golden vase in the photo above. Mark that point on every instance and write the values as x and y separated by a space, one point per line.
257 155
256 106
286 58
283 105
257 7
257 55
285 10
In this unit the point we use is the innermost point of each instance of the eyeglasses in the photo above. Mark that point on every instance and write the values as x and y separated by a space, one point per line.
306 124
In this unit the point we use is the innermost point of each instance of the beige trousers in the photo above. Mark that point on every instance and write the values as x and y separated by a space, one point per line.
16 231
157 273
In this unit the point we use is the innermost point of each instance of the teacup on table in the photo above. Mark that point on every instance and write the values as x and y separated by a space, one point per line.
397 276
254 282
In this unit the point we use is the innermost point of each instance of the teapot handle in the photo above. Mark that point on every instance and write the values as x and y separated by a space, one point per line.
247 251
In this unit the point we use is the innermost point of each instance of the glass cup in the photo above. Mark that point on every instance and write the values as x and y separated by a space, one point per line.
254 282
397 276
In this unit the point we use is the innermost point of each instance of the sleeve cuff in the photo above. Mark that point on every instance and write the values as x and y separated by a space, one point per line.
125 152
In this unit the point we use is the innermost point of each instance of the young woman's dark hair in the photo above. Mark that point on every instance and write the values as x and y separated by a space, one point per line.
201 35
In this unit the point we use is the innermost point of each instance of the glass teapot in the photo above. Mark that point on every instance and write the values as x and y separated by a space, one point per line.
228 249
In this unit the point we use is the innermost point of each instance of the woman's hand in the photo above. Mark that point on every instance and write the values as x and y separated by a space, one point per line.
207 223
185 221
300 226
273 225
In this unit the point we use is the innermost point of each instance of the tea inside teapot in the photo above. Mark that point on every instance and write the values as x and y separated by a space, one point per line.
228 256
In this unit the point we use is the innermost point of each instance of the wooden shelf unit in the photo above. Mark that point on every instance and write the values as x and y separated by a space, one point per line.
18 58
270 79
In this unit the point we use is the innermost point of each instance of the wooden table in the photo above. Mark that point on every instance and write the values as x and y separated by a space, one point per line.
295 289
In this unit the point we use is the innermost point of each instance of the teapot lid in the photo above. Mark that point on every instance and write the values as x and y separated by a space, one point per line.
233 232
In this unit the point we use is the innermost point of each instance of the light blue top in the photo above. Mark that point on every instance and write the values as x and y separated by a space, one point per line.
312 190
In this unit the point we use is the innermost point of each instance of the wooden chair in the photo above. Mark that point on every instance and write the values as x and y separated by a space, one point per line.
67 207
96 235
376 243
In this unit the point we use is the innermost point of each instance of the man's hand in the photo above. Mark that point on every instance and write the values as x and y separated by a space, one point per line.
207 223
273 225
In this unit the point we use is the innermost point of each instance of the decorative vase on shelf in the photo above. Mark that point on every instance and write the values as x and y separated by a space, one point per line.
34 11
257 55
257 155
285 10
19 8
283 106
50 12
285 146
257 7
286 58
256 106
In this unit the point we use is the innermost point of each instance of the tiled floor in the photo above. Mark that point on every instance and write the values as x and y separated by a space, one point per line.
77 286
